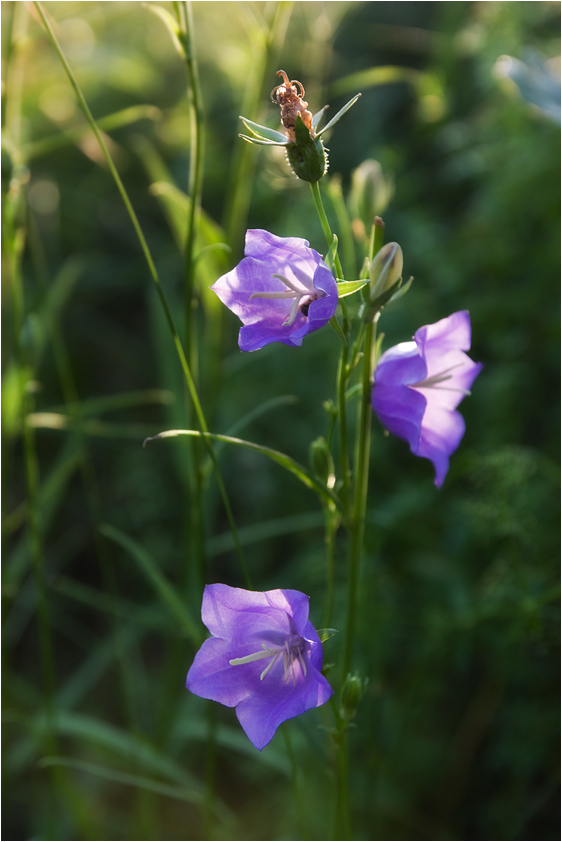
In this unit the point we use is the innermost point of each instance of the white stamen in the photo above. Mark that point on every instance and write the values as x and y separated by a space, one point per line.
303 665
269 666
431 382
291 651
294 311
256 656
273 294
289 283
293 292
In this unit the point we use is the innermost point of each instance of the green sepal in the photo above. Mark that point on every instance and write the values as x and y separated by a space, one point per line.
263 132
377 349
364 274
337 327
349 287
260 141
340 113
393 293
331 255
307 155
326 634
402 290
318 116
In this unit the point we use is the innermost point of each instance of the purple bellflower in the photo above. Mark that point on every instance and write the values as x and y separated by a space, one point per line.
419 384
281 290
264 658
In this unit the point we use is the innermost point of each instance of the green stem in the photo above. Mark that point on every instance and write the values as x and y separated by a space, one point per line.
295 781
344 225
155 278
330 539
315 187
11 112
359 497
195 187
343 374
361 467
342 381
342 819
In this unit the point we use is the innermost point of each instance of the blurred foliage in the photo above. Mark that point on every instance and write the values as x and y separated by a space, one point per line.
455 735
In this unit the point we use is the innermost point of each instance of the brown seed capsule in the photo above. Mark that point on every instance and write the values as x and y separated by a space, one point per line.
291 103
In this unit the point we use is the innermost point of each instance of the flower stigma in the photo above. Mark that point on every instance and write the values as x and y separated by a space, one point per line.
290 651
302 299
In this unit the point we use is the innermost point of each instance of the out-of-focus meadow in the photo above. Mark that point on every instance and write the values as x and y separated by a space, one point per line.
456 736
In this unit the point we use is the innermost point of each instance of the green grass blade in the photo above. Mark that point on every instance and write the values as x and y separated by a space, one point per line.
275 455
160 584
183 793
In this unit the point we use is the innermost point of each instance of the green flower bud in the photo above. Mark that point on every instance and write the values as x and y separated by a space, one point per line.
386 269
370 194
307 155
353 689
322 462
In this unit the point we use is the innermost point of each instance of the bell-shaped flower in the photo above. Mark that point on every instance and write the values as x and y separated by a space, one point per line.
264 658
419 384
281 290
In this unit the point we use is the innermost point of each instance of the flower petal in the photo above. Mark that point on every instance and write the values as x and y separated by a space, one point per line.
450 333
261 714
223 605
212 677
441 434
400 410
401 365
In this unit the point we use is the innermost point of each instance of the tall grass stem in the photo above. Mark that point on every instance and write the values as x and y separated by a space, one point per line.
156 279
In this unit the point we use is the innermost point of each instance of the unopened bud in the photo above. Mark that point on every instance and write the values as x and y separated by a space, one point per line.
371 192
353 689
386 269
322 462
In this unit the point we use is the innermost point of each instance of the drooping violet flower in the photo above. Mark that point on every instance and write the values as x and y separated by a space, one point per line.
281 290
264 658
419 384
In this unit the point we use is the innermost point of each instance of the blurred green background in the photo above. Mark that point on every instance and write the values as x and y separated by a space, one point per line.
457 735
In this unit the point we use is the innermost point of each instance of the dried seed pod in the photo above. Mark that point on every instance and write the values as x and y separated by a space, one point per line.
291 103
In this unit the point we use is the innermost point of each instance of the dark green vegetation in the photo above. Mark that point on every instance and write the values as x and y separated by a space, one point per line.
104 554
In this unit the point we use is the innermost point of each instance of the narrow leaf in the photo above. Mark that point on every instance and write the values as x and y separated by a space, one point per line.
183 793
349 287
276 456
170 24
374 76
